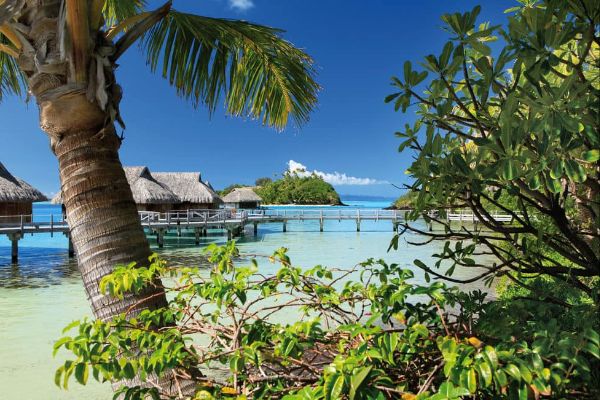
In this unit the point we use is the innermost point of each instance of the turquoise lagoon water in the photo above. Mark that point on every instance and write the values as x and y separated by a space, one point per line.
44 293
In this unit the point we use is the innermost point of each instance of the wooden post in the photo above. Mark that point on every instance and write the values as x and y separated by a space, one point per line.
197 234
321 222
51 225
284 226
229 234
357 220
178 229
14 254
255 228
160 238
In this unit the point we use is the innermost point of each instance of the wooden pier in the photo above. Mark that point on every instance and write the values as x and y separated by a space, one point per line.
232 222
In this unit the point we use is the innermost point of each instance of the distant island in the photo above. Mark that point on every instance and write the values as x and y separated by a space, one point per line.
404 202
293 189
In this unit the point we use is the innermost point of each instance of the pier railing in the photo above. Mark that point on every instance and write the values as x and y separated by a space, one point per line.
192 216
47 221
338 214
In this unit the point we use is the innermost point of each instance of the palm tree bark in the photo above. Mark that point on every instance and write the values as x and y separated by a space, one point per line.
101 212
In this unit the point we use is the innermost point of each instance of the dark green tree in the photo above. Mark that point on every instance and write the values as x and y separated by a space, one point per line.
263 181
514 130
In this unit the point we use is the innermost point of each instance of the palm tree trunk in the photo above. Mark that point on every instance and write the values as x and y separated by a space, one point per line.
102 215
101 212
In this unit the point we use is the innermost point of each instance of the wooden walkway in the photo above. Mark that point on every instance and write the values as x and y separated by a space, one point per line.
231 221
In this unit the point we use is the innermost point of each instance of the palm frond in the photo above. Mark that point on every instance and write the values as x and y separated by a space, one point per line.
258 72
11 78
115 11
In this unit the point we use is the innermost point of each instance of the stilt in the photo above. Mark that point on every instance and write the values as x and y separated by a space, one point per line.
321 223
14 254
255 228
358 225
71 248
197 234
160 238
229 234
284 226
395 226
178 229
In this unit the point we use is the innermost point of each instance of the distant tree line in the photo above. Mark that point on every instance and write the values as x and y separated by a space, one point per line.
292 189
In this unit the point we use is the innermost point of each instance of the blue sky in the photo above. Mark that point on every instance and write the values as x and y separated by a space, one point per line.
357 47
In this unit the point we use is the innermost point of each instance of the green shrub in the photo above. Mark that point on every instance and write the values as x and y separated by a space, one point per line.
364 333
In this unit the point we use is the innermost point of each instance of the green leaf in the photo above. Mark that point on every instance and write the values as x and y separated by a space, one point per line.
81 373
513 370
471 380
258 72
334 386
591 155
491 356
357 380
575 171
509 170
59 343
485 372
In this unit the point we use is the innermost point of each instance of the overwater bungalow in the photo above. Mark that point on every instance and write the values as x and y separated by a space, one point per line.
242 198
16 197
192 192
148 193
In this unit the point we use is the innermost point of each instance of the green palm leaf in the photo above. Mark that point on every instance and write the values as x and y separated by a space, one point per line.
115 11
258 73
11 78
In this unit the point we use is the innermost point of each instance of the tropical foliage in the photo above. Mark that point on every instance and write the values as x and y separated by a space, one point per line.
369 332
514 130
405 202
260 74
296 189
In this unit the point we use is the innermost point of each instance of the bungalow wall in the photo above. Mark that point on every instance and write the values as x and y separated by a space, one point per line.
11 212
244 205
156 207
194 206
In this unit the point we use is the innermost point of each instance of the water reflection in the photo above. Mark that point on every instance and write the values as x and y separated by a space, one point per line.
37 268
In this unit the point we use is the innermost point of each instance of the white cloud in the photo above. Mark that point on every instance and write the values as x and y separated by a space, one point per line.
334 178
241 5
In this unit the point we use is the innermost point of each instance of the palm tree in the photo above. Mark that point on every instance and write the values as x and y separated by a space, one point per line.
65 52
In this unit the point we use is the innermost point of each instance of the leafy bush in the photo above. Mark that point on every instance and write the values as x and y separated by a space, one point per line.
364 333
514 130
295 189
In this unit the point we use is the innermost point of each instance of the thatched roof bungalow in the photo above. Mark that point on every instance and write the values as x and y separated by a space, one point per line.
192 192
16 196
148 193
244 197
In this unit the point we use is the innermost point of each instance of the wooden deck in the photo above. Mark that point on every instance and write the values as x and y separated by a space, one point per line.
233 222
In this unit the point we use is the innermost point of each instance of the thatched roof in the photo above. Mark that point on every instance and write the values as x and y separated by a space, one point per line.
242 195
188 186
145 188
15 190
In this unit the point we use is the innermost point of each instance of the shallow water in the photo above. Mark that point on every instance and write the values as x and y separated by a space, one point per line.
44 293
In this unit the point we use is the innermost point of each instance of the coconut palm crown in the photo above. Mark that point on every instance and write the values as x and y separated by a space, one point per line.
258 73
